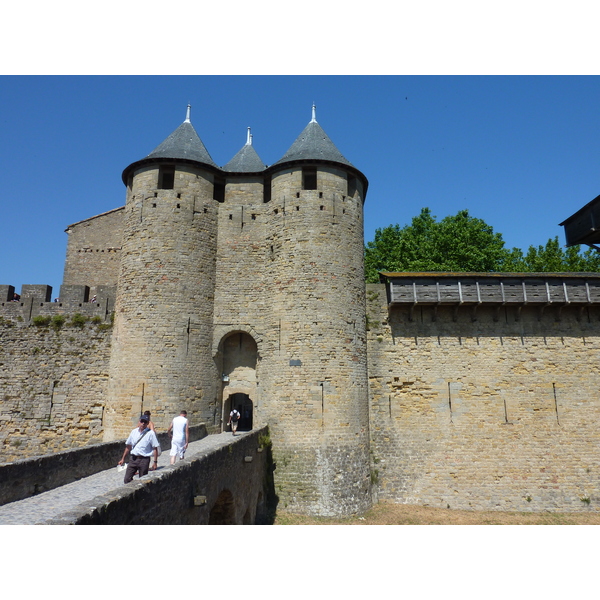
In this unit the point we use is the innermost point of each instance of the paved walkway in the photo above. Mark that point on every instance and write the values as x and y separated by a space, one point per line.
39 509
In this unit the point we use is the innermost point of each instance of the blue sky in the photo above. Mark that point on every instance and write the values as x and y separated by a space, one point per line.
520 152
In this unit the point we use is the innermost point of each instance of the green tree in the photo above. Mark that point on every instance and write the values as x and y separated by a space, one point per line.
552 258
462 243
456 243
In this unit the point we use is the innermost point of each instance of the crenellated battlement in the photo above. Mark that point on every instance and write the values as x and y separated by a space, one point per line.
36 300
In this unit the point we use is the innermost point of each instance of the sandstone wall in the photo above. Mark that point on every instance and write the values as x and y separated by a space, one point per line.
52 381
486 414
290 275
161 352
94 251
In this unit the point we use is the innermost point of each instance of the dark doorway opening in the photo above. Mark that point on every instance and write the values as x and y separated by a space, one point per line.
244 406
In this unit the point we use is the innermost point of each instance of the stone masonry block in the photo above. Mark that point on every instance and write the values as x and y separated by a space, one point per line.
74 293
7 293
43 293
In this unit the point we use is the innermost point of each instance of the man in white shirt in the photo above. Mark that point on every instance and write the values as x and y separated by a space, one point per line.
142 443
234 417
179 429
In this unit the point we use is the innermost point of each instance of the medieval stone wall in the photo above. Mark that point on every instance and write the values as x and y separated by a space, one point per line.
496 413
94 250
53 379
500 412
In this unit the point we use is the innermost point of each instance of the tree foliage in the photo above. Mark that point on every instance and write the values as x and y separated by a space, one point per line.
462 243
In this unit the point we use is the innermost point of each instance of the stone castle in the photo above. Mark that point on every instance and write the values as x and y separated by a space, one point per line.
243 285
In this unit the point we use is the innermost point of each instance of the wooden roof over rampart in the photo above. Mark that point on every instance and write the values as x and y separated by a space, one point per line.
516 289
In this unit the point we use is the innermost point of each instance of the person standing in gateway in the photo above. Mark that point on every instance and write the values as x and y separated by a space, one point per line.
179 430
234 417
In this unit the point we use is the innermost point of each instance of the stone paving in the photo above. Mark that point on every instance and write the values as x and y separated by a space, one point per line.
42 508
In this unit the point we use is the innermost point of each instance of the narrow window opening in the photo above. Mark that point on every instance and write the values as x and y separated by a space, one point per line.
276 211
231 217
309 178
320 194
166 178
297 194
179 195
297 208
154 205
219 189
267 190
254 217
178 205
322 207
351 186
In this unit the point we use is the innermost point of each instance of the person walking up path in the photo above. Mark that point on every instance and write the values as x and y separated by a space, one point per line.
142 443
179 430
234 417
91 491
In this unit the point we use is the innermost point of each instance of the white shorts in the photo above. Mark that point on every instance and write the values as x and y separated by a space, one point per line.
177 448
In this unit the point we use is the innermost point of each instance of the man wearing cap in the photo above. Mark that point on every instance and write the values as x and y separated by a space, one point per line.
142 443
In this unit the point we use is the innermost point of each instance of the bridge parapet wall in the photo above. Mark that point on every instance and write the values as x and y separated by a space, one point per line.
226 485
30 476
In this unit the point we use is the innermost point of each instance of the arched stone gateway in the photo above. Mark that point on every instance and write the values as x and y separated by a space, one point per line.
239 357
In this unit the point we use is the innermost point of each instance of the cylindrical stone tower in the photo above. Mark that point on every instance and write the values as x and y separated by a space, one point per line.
161 350
315 386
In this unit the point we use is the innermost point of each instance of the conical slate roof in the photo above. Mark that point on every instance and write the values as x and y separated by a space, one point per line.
184 143
314 144
246 160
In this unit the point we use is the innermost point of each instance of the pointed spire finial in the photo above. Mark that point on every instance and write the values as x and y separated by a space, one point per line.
187 114
249 138
314 113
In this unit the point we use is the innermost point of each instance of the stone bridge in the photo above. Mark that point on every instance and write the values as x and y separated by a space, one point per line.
223 480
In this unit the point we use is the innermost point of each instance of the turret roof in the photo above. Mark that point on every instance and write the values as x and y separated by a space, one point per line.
246 160
314 144
183 143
